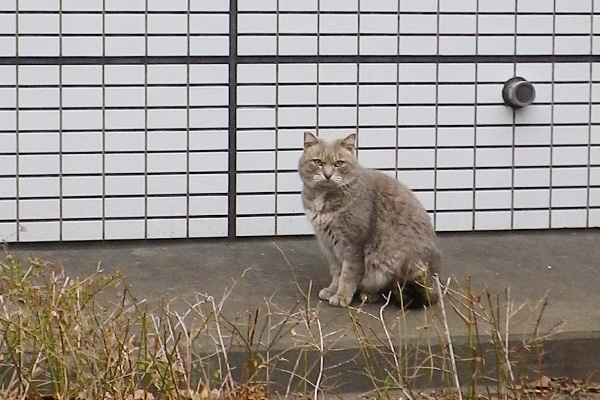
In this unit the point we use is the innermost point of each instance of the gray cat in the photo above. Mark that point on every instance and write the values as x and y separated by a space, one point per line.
374 232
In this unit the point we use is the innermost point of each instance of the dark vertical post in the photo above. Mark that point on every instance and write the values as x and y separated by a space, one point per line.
232 115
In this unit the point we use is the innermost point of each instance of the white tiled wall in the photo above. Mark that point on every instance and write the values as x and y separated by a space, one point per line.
114 115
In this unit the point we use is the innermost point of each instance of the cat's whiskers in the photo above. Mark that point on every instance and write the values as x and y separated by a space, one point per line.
344 183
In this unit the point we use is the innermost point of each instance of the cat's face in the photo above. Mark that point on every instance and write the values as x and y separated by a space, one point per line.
328 163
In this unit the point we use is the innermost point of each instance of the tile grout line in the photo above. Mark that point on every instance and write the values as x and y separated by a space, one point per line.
146 121
397 138
436 126
513 125
60 126
552 105
187 125
103 120
276 166
590 115
17 129
475 104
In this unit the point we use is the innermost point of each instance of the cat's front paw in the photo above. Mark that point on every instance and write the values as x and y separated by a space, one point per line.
325 294
338 301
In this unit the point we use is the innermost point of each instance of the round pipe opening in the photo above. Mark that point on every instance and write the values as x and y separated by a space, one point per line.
518 92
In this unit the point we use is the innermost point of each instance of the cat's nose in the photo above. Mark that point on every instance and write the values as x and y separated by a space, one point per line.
327 171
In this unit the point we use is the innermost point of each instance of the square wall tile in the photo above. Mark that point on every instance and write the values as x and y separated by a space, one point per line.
377 116
82 46
255 226
297 117
8 232
8 209
454 200
332 95
125 185
455 158
377 137
82 185
538 219
493 220
82 230
8 164
594 218
493 199
38 186
257 45
81 208
288 160
39 209
76 142
167 206
255 182
377 73
453 221
166 228
381 158
124 229
571 197
378 45
294 225
494 157
208 205
255 204
290 204
167 184
568 218
532 177
532 198
569 176
416 158
338 45
125 46
454 179
39 231
493 178
208 227
208 183
125 207
416 137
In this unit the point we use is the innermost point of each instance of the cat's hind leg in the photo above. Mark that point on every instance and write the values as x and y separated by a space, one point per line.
417 288
428 290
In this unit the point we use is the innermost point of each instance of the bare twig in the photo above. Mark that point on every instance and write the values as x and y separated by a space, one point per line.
506 335
438 287
391 345
228 376
321 360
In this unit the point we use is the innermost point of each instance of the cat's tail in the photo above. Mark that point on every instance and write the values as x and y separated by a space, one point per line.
417 288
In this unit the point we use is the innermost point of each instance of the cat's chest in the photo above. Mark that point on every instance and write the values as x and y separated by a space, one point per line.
318 212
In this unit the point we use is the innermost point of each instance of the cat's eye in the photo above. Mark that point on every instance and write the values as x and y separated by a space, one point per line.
317 162
339 163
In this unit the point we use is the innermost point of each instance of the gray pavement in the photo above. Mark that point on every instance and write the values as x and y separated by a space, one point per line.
563 263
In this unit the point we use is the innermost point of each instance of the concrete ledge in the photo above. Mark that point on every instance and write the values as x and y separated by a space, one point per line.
564 264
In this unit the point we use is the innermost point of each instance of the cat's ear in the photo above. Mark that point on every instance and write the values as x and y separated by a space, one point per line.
349 142
309 140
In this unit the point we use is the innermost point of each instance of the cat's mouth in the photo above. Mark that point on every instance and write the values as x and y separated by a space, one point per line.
335 182
320 179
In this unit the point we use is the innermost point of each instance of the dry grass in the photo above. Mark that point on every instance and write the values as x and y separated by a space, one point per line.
64 338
